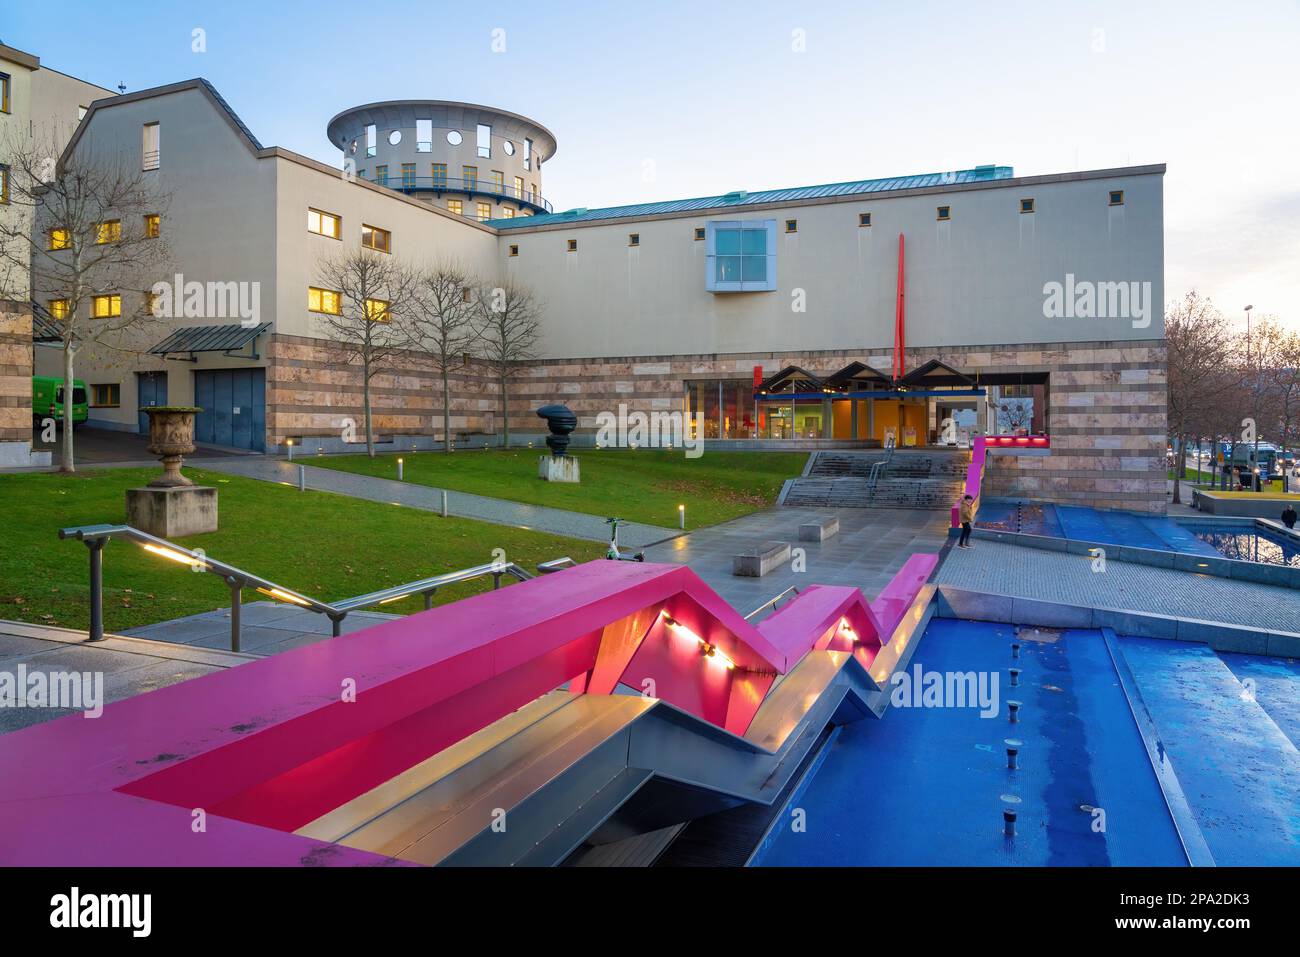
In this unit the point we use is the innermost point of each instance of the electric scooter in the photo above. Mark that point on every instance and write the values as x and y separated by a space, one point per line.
612 552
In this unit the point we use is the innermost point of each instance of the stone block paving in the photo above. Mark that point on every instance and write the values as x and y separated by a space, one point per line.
1060 577
266 628
556 521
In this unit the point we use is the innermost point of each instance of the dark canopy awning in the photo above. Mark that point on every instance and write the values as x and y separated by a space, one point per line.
209 338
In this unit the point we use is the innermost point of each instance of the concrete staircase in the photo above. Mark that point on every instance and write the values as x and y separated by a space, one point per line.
912 478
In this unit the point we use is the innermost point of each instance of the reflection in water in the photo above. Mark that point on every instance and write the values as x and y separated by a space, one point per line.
1250 545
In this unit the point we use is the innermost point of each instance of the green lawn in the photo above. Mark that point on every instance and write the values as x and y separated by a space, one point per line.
640 486
326 546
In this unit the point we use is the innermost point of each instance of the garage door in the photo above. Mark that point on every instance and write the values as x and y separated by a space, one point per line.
234 408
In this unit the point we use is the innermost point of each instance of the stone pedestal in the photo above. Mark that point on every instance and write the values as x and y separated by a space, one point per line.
172 512
558 468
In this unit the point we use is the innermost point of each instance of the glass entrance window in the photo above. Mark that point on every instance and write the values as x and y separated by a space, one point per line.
721 408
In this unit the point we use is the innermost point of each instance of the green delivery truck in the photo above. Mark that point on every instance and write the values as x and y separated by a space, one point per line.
47 399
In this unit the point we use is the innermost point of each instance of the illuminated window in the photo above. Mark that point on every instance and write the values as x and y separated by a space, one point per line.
106 395
152 226
324 224
455 206
514 250
439 175
519 187
484 211
4 92
484 137
634 239
377 310
408 175
4 184
507 213
532 192
324 300
376 238
1026 205
424 136
153 304
944 213
109 231
106 307
470 177
864 219
465 294
60 238
573 245
1117 197
59 308
151 148
381 175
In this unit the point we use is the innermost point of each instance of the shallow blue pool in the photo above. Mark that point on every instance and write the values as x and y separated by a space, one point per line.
1248 543
927 785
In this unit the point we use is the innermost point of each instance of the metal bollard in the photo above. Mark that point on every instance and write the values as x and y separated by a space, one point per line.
302 478
1015 677
444 503
1013 711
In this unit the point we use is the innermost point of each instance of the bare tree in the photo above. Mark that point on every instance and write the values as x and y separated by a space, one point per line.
1015 414
1288 396
365 311
1200 346
442 327
89 230
1260 363
509 325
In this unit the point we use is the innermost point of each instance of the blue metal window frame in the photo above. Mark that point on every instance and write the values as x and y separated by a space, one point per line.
711 281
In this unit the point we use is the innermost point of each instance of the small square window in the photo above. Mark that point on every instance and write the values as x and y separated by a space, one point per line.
573 245
792 225
699 234
1026 205
945 213
1117 197
634 239
514 250
864 219
106 395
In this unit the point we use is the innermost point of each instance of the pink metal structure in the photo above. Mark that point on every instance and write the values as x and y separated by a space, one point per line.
980 447
261 749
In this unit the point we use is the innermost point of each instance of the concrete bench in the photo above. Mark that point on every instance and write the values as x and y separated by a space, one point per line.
819 531
760 560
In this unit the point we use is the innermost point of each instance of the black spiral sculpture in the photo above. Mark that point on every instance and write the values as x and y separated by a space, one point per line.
561 421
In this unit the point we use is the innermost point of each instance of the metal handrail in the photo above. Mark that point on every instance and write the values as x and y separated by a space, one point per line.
873 477
97 536
771 602
459 184
555 565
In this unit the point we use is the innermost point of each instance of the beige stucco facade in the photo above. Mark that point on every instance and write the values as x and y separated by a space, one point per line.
626 314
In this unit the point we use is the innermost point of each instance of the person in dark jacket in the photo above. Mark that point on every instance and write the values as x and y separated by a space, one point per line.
1289 516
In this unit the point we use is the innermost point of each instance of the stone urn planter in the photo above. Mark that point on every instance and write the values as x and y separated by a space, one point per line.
171 438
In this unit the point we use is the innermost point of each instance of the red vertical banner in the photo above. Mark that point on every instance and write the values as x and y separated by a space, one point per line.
900 338
760 418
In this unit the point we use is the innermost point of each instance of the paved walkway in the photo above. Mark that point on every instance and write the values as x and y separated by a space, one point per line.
1055 576
871 547
540 518
130 666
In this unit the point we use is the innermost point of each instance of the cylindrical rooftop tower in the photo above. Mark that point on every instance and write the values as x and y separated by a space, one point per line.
474 160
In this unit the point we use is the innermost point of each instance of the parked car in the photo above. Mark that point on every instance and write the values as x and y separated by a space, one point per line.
47 400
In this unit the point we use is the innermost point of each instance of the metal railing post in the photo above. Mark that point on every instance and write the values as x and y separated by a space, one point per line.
236 608
96 546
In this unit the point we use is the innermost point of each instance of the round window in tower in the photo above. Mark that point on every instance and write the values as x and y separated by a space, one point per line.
508 147
394 137
454 137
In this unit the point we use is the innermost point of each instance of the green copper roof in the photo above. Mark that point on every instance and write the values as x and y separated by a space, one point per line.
979 174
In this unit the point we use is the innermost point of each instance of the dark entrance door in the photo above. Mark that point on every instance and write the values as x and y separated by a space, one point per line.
234 408
151 389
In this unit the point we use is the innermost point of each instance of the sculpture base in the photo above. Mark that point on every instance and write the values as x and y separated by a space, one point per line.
563 468
172 512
